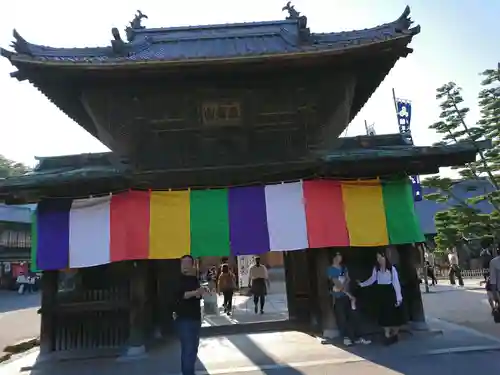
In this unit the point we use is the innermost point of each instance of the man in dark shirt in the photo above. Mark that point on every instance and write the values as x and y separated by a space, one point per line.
188 314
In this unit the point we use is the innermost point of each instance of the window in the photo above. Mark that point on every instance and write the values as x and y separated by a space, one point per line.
16 239
8 238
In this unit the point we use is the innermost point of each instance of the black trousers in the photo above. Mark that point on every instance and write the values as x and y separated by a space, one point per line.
260 297
431 275
346 318
455 271
228 300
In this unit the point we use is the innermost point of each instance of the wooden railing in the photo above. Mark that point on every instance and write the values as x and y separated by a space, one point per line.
91 319
89 330
443 273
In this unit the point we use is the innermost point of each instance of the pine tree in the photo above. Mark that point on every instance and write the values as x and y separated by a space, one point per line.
463 220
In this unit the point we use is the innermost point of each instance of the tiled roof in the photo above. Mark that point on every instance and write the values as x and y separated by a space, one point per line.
427 209
409 151
214 42
85 168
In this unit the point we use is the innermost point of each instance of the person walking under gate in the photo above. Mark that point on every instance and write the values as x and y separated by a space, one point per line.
455 270
226 285
389 297
344 305
258 284
187 314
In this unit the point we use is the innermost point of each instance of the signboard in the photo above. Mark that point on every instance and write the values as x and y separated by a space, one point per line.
244 264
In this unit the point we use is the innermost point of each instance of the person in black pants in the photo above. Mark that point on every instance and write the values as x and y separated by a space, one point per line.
187 314
388 291
259 281
226 285
430 273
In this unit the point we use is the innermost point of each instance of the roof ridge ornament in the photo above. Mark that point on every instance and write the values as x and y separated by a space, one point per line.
20 44
404 22
135 24
293 14
117 43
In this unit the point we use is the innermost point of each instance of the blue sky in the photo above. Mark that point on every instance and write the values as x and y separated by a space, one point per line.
459 39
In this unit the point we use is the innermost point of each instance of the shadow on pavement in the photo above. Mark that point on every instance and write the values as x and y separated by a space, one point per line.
296 353
223 355
443 341
259 357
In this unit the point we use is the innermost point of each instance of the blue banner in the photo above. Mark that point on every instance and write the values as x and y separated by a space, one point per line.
403 112
417 188
403 108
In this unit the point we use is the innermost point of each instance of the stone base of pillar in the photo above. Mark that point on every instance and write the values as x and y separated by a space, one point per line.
419 326
133 353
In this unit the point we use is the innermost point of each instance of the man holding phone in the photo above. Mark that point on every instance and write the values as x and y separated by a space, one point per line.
188 314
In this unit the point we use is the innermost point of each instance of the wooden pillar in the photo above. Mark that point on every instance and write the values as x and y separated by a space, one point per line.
138 299
412 296
154 306
328 323
298 288
167 275
49 285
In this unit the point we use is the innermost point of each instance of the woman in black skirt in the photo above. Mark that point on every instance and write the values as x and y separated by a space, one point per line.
389 297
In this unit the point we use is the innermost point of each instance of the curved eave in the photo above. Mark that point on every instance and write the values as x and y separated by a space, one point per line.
439 156
382 161
21 60
368 82
69 105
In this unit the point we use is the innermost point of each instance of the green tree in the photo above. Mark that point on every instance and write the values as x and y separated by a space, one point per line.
462 220
10 168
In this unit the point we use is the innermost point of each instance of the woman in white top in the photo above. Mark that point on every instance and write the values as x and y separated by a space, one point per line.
389 297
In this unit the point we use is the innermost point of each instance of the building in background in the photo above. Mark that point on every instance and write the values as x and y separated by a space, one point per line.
427 209
15 243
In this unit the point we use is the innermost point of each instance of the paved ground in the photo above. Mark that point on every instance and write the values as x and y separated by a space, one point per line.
466 306
18 317
458 351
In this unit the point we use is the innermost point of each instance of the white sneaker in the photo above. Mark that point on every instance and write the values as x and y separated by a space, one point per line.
363 341
347 341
